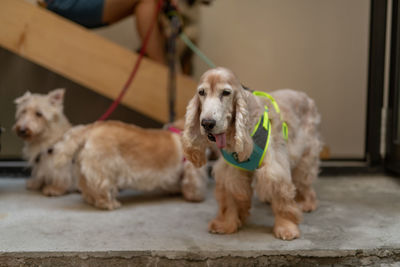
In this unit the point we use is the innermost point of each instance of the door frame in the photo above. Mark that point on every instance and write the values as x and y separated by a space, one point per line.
372 161
392 157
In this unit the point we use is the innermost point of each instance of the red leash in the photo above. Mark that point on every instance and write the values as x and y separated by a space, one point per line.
116 102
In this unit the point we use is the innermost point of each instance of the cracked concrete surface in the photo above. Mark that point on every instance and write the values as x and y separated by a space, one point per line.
357 223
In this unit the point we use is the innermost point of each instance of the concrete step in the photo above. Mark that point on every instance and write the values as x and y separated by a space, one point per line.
357 223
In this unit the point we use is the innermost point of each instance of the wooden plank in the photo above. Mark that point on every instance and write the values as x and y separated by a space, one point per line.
88 59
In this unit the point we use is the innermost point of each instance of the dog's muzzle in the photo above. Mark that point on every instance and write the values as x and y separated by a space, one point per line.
24 133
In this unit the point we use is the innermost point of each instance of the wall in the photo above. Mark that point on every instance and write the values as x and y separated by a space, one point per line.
320 47
317 46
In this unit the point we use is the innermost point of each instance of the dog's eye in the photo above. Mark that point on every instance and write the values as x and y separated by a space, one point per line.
201 92
39 114
226 92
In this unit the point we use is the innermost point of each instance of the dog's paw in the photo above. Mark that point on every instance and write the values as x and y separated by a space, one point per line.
53 191
88 199
308 205
108 205
193 193
307 202
222 227
33 184
193 196
286 230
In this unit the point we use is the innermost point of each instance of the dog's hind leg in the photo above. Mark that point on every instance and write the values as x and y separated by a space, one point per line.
233 193
303 176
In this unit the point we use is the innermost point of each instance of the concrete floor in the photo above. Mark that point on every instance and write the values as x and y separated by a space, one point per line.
357 223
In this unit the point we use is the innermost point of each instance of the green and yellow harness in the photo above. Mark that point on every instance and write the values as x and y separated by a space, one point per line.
260 135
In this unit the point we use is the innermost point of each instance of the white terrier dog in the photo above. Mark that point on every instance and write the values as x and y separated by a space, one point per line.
40 122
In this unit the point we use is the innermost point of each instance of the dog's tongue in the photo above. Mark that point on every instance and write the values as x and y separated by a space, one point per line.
220 139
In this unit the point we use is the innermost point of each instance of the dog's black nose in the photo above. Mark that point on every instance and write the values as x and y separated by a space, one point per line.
22 131
208 124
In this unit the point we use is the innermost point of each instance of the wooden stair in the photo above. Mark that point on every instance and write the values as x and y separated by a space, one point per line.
76 53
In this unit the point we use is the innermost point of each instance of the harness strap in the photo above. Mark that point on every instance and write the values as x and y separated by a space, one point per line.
261 136
285 129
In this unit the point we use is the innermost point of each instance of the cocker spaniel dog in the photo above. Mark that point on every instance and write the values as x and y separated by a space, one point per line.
271 140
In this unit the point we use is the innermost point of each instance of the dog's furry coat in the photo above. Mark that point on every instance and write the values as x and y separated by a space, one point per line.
105 156
40 122
225 110
108 156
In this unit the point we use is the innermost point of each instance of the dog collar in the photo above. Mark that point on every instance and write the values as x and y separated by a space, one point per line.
174 130
37 158
260 136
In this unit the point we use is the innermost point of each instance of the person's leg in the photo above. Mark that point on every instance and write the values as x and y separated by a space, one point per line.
144 13
115 10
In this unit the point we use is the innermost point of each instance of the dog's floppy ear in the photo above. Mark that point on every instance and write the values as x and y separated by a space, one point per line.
56 97
194 144
243 141
23 98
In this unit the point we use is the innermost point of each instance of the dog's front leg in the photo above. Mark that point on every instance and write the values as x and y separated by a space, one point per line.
194 182
55 189
233 193
274 183
35 182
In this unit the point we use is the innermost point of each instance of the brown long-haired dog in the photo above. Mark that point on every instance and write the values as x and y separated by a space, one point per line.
224 112
107 156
